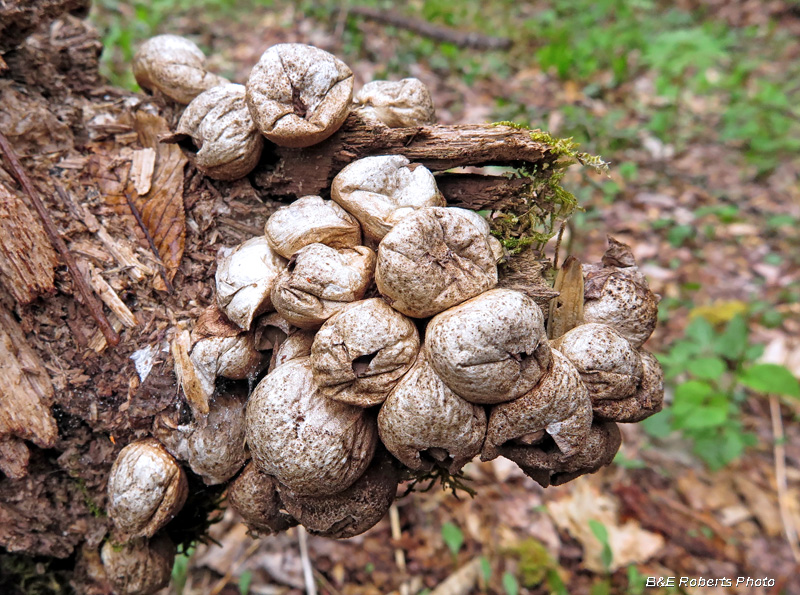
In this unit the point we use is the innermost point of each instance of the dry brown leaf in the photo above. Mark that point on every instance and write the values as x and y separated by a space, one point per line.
462 581
629 543
162 208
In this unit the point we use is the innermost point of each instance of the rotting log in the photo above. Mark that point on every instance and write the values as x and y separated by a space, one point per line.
76 401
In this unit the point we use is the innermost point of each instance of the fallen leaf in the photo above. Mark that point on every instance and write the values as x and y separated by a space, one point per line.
629 543
162 207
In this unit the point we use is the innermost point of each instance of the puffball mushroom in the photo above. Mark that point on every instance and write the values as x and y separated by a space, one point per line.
218 135
319 281
609 367
310 220
244 280
550 466
352 511
431 260
617 294
174 66
647 400
559 406
227 356
299 95
490 349
146 489
140 566
396 104
483 225
313 445
381 190
361 352
423 423
214 446
254 495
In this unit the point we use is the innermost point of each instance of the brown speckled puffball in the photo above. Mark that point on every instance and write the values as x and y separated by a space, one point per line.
310 220
548 466
361 352
352 511
146 489
299 95
646 401
422 422
174 66
609 367
490 349
319 281
433 259
255 496
559 406
313 445
225 144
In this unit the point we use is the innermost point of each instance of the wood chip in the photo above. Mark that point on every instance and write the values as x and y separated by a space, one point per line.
566 311
111 299
26 394
142 167
27 258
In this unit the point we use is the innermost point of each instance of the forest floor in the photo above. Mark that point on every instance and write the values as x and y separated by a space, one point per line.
695 106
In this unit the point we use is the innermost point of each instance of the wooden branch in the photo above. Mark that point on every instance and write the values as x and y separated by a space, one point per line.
299 172
80 281
476 41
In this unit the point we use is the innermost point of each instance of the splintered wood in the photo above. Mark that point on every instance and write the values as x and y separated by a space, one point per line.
27 259
26 394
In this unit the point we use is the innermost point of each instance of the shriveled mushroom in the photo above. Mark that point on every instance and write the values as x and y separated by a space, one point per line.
381 190
547 465
609 367
174 66
245 278
432 260
617 294
423 423
310 220
146 489
349 512
559 406
396 104
213 446
254 495
313 445
218 135
361 352
647 400
298 94
319 281
490 349
483 225
219 351
140 566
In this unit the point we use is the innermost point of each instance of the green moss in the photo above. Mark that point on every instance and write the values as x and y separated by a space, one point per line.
34 575
545 204
536 565
93 507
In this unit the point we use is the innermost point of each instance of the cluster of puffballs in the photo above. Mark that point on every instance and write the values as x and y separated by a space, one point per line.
378 343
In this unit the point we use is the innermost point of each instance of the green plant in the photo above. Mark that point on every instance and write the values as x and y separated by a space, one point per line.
180 570
510 584
245 579
601 533
711 370
453 538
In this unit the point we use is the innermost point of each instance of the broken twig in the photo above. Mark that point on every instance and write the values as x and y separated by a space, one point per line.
91 301
435 32
779 449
